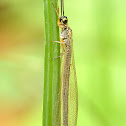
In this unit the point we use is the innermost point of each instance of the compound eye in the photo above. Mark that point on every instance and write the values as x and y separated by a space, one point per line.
60 19
65 21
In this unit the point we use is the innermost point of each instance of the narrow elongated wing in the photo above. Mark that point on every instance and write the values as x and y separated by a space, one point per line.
73 93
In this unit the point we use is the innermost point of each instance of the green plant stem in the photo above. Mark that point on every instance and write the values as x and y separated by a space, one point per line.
51 63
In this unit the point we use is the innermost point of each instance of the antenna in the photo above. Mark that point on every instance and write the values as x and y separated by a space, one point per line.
62 7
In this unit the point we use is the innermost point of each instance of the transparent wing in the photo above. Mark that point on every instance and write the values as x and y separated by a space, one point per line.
57 111
73 94
73 97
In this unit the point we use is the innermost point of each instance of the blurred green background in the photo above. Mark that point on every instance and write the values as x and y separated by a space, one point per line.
99 36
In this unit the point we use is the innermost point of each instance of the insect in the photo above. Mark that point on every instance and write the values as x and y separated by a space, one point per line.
69 91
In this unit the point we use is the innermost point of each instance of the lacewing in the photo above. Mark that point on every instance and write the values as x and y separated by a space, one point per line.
67 109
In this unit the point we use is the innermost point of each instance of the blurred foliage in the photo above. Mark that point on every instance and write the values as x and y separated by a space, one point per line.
21 62
99 38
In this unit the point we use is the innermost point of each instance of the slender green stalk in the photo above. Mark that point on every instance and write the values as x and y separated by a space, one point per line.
51 64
